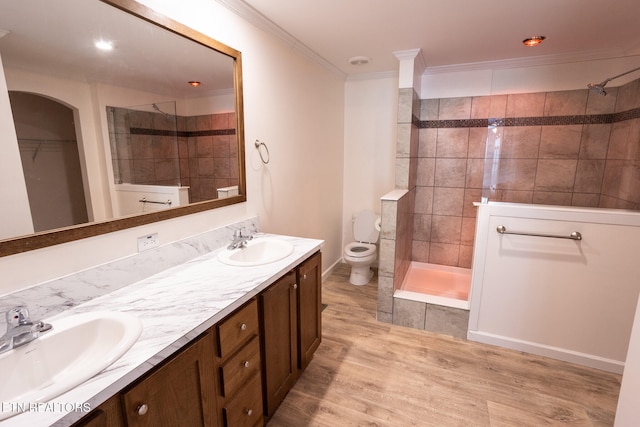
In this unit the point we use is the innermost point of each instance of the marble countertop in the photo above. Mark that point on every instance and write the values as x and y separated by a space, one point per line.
175 306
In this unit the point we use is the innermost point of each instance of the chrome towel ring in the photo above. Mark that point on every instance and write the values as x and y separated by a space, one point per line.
259 146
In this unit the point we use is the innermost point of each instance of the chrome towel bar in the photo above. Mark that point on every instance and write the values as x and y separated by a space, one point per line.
575 235
144 200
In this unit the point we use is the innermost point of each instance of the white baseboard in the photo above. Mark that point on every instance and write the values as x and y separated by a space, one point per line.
564 354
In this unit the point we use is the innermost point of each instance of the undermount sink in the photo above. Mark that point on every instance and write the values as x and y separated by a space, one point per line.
77 348
258 251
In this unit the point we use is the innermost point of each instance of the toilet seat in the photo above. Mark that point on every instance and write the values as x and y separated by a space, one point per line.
359 250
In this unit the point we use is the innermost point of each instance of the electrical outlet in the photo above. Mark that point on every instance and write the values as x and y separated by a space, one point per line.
148 242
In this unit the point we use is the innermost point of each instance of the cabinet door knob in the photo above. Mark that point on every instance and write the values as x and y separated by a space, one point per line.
245 363
295 286
304 277
249 412
243 327
142 409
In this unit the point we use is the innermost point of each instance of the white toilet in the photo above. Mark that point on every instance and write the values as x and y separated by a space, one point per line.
362 253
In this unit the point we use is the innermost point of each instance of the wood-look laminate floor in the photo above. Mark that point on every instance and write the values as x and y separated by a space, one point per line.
369 373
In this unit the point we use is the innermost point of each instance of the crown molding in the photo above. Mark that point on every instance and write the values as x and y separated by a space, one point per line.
532 61
254 17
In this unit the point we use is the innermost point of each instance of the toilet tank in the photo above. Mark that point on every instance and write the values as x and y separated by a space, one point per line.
364 227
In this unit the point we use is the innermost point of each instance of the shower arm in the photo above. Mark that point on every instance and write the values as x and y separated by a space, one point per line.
615 77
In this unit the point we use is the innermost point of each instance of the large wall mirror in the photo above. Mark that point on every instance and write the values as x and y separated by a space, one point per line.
147 130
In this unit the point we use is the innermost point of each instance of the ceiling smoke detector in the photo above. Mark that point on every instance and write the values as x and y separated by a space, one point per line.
359 60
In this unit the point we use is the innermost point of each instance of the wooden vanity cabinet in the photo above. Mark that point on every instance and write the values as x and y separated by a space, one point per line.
237 373
109 414
180 392
291 329
309 304
239 381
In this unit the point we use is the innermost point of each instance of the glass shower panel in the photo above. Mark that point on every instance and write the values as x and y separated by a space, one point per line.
491 176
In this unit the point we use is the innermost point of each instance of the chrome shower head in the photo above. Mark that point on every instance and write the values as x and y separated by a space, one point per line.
599 88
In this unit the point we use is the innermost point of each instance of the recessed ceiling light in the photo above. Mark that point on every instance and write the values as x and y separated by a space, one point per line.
194 83
104 45
359 60
533 41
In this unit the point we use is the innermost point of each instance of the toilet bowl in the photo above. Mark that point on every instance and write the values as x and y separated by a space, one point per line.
363 252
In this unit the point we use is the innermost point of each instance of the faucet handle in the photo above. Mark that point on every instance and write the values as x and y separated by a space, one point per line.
17 316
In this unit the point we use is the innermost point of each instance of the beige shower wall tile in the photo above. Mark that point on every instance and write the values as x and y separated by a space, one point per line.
475 173
409 313
452 142
477 143
595 141
612 177
626 99
587 200
520 142
465 259
444 253
403 139
422 227
566 103
429 109
552 198
386 259
446 229
589 176
385 294
598 104
455 108
427 138
448 201
555 175
471 196
420 251
560 142
450 172
389 218
514 174
618 140
525 104
405 105
468 231
426 171
424 200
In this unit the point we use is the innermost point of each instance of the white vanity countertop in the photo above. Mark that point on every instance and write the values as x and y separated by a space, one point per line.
174 306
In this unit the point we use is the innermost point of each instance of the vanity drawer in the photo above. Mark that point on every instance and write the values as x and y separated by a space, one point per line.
238 369
238 329
246 408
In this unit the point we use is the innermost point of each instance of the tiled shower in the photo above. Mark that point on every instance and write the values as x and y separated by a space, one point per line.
199 152
573 148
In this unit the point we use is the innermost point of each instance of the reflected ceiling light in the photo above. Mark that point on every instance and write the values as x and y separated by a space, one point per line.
533 41
104 45
194 83
359 60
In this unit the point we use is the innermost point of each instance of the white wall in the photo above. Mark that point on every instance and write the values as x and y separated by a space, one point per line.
504 78
292 104
371 111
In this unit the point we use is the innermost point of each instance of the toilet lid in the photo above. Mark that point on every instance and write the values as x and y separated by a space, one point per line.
364 227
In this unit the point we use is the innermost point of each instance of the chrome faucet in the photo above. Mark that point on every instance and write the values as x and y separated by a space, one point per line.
239 241
20 329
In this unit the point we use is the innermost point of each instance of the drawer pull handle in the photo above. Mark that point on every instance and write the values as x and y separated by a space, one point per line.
243 327
249 412
245 363
142 409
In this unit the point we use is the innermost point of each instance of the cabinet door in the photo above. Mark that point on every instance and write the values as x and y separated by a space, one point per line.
309 309
108 414
279 340
180 393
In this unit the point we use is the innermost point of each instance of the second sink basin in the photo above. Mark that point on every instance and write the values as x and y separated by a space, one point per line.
259 251
77 348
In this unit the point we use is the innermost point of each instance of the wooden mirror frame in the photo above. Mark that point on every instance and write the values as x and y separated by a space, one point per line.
63 235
